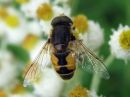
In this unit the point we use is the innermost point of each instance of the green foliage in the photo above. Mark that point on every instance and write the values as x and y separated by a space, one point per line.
19 52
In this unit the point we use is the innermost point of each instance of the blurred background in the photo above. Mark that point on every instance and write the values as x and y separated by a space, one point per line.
23 31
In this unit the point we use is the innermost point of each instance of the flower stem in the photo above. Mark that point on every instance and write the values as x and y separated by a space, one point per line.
96 79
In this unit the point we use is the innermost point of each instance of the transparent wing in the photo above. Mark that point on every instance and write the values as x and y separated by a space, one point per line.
89 61
33 70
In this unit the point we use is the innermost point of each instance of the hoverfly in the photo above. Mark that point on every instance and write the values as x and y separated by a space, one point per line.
65 52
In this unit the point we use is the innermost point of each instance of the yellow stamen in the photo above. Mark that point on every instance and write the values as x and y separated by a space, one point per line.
12 21
3 94
45 11
78 92
81 23
3 12
124 39
30 41
22 1
18 89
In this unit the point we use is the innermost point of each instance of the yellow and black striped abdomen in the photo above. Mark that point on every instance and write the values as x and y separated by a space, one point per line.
64 64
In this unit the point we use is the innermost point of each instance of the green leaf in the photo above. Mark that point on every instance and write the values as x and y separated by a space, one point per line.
19 52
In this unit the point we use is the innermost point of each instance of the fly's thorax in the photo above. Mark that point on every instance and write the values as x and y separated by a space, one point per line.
64 63
61 35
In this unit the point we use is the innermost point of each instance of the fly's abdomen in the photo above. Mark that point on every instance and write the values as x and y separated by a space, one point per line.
64 64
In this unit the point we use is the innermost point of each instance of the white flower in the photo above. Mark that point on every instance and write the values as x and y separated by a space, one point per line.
13 26
46 27
45 11
34 27
120 42
50 84
7 70
30 7
57 11
15 35
93 37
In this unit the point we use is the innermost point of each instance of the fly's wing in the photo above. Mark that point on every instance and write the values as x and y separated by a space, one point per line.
33 71
88 60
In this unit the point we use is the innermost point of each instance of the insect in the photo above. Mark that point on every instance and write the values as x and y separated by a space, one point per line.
66 53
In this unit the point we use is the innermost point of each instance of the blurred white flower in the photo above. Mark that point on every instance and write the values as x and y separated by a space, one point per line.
120 42
93 37
49 85
7 69
45 11
30 8
46 27
34 28
57 11
15 35
13 26
89 31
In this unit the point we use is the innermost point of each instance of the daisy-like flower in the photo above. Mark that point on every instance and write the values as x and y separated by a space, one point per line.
30 7
42 9
13 26
56 11
49 85
89 31
80 91
45 11
120 42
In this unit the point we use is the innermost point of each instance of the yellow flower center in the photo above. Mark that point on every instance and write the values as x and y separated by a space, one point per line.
45 11
3 94
3 12
124 39
80 22
30 41
12 21
22 1
78 92
18 89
